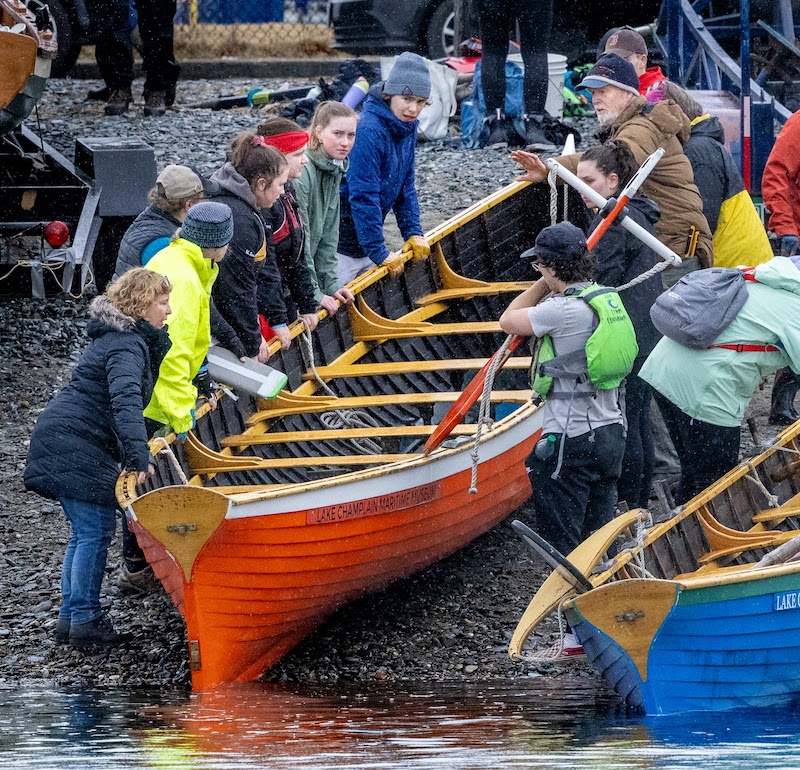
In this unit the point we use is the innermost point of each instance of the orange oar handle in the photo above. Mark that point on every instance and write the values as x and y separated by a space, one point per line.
467 399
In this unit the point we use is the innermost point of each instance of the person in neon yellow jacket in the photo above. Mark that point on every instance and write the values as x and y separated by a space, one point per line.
190 264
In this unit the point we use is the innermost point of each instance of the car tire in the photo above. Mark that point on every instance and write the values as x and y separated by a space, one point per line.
69 44
440 32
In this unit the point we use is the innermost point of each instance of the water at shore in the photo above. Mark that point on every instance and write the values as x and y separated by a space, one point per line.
567 723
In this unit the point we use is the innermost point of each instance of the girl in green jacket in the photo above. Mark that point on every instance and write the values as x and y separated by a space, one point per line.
333 133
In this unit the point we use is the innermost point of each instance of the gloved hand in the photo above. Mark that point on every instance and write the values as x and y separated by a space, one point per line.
788 245
417 246
202 381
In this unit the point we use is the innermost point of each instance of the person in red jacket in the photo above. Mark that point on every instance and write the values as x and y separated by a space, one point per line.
780 187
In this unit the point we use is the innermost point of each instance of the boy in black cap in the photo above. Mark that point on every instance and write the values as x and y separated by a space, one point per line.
574 476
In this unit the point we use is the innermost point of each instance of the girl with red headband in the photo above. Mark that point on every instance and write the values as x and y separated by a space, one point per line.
287 243
333 132
252 180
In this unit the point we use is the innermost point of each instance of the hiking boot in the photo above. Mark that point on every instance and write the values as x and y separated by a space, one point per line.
98 632
119 101
98 94
61 634
155 104
142 581
535 137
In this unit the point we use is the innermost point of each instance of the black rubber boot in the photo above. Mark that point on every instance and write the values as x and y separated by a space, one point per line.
498 132
61 634
784 391
535 137
98 632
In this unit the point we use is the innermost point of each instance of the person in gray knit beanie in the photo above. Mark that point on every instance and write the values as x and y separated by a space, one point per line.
208 225
409 77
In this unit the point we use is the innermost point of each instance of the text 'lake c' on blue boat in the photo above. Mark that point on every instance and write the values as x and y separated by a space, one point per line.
699 611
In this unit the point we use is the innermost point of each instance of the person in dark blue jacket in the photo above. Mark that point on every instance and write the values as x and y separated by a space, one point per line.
93 431
381 174
607 168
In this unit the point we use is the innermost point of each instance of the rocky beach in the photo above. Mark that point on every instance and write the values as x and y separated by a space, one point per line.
451 622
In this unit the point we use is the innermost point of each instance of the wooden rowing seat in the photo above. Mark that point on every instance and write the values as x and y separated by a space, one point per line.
390 431
776 515
289 403
411 367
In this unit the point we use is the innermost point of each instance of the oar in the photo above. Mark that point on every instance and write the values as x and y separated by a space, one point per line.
472 392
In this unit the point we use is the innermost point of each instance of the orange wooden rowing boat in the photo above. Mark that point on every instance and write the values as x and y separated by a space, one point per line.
276 512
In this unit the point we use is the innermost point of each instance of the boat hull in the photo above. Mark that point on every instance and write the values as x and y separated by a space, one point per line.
275 569
716 646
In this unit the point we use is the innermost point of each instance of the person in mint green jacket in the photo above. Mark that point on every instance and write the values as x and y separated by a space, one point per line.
703 394
333 133
190 263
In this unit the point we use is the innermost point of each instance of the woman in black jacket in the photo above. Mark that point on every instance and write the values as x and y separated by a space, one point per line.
253 179
94 430
620 256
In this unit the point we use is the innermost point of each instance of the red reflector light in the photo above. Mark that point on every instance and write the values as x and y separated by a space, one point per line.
56 233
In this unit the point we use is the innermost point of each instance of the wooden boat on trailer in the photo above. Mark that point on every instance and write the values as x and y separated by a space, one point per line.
270 515
27 49
682 617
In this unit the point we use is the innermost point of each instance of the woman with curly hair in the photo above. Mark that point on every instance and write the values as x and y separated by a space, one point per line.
92 432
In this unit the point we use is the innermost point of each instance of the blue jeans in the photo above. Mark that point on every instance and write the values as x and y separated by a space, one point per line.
85 559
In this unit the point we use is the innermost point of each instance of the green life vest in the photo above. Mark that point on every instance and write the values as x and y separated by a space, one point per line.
609 352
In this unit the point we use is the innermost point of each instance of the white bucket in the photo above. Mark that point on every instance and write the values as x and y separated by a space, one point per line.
556 69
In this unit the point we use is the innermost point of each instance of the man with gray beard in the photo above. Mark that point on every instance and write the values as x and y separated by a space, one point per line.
626 116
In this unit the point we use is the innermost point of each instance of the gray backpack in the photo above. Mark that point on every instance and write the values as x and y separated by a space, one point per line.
701 305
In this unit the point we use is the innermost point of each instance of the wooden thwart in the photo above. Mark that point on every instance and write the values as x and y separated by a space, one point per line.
321 404
301 462
288 437
726 542
411 367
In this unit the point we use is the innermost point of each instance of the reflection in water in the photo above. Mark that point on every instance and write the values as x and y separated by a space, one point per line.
533 724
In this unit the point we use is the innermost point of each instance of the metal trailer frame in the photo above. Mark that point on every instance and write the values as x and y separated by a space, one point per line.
695 58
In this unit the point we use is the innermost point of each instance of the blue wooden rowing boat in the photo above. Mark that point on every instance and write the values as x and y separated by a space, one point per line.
689 615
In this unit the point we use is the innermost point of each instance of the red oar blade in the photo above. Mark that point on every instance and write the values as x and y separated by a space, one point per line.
465 401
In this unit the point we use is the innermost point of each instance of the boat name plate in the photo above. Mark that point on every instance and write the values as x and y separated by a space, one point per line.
370 506
789 600
194 655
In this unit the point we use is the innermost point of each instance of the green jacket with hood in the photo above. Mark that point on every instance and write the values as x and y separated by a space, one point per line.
317 193
715 385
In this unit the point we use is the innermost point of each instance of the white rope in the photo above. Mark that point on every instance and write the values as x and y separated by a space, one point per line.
654 270
165 447
644 522
339 419
484 415
772 500
552 176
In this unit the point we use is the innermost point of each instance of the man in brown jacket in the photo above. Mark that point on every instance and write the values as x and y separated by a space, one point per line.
626 116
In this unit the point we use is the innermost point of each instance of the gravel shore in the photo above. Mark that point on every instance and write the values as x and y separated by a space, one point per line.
450 622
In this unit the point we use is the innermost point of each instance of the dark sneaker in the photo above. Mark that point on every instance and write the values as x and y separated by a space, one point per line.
154 104
98 632
535 138
140 582
61 634
498 136
99 94
119 101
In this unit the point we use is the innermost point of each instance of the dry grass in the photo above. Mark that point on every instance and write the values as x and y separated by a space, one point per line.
251 41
